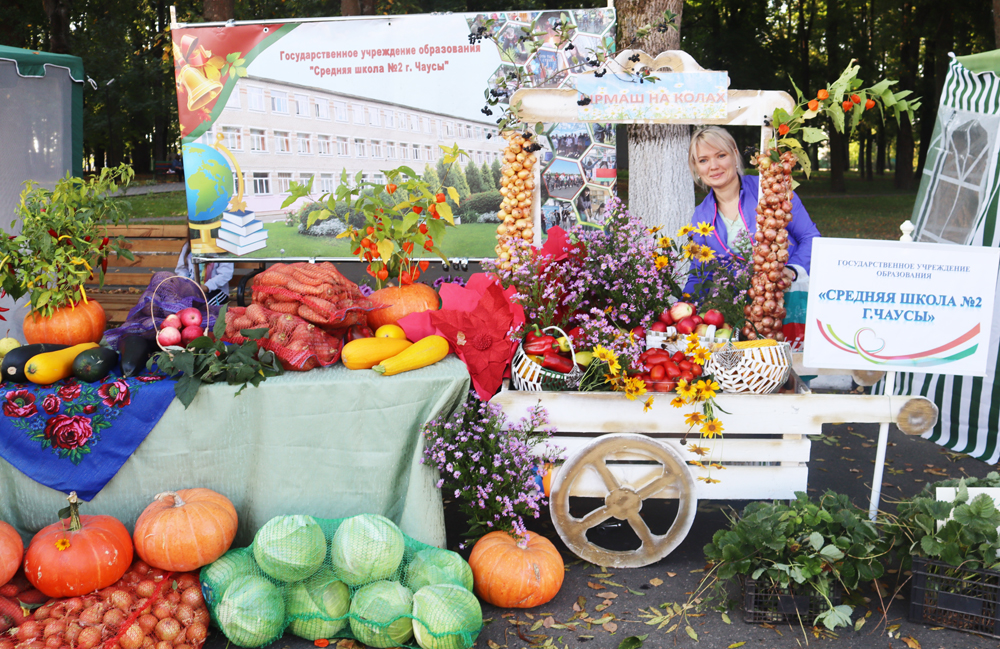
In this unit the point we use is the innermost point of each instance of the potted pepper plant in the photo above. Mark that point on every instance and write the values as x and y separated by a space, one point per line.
62 243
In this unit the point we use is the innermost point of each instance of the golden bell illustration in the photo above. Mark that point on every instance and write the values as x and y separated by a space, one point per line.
200 89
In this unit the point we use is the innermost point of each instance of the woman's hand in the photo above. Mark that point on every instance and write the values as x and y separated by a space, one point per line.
789 274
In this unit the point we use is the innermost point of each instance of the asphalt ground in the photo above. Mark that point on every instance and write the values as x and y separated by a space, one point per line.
625 601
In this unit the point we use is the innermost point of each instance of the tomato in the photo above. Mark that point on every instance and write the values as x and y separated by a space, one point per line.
696 370
658 357
657 372
646 354
672 371
678 357
686 376
685 365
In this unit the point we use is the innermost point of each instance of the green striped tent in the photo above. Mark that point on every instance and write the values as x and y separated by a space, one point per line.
957 203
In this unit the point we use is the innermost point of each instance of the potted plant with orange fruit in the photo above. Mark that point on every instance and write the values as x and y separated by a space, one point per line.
62 243
401 218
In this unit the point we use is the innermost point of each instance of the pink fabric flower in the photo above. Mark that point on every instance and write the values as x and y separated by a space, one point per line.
69 432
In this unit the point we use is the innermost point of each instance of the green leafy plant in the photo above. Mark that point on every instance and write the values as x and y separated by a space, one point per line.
961 533
205 360
801 544
400 215
62 240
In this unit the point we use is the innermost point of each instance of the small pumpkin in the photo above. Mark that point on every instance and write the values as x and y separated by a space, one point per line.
509 572
82 322
78 555
402 301
186 529
11 552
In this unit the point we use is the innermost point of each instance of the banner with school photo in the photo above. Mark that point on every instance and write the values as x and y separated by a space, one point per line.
263 105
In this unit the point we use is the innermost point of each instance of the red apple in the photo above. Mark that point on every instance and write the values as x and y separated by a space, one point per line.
658 326
639 333
191 332
169 336
714 317
172 321
681 310
697 320
190 317
701 330
686 325
666 318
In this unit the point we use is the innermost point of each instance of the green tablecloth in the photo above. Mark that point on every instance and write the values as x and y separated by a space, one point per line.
329 443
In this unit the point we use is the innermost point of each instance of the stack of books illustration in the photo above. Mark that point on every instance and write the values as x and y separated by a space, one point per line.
241 233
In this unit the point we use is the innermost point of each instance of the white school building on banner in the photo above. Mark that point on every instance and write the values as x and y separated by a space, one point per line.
281 132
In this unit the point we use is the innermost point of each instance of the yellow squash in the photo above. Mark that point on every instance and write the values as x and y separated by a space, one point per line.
53 366
364 353
422 353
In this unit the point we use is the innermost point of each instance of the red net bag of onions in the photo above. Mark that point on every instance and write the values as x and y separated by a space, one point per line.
146 609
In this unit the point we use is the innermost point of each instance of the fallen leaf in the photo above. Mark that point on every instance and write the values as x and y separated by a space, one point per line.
611 583
601 575
860 623
577 608
671 574
690 632
601 607
611 627
737 645
548 622
529 616
492 645
581 601
725 618
911 642
698 570
656 581
632 642
637 592
596 586
607 595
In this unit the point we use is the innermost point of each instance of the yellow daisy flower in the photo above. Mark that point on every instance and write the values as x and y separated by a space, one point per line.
609 357
692 338
683 232
62 544
634 387
647 405
678 402
709 480
700 355
705 254
705 229
693 419
664 242
691 250
697 463
654 230
662 262
700 451
706 390
716 465
692 347
685 390
711 428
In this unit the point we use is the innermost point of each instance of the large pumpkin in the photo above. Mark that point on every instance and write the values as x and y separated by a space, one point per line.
82 322
78 555
516 573
186 529
11 552
402 300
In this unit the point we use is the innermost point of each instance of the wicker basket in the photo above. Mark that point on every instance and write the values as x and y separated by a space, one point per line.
674 342
529 376
760 370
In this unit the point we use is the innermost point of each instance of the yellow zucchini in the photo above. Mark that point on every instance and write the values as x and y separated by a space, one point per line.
363 353
53 366
422 353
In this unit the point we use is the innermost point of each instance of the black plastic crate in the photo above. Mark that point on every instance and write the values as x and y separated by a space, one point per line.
955 598
767 603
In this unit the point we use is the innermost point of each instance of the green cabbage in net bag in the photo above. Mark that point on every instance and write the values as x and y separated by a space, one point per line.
366 548
317 603
446 616
290 548
252 612
216 576
435 566
379 614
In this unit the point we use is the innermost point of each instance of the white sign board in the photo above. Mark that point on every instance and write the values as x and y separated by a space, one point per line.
886 305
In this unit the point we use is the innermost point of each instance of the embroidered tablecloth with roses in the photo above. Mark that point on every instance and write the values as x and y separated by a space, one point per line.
74 436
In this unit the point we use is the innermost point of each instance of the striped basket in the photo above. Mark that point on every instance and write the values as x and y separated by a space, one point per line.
757 366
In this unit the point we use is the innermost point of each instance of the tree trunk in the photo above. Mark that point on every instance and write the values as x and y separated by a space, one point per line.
996 22
218 11
357 7
870 140
909 51
661 191
58 12
838 159
880 156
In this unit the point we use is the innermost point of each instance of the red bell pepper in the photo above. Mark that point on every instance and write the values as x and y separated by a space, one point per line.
556 362
539 344
359 331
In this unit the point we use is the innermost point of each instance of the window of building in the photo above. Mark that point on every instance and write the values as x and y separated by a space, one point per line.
326 183
364 176
479 133
342 149
468 131
428 125
373 119
255 99
233 102
416 151
401 119
388 119
359 148
411 123
282 142
324 145
479 157
257 140
404 151
449 129
321 109
305 143
379 178
390 150
261 182
279 102
376 149
282 181
340 111
305 177
359 113
428 154
302 105
233 137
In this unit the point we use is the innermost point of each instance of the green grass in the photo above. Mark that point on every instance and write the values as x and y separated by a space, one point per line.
468 240
168 208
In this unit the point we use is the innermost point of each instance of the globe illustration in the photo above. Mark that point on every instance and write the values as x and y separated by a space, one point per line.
209 180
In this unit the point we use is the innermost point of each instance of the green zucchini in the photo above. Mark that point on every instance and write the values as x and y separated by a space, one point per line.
16 359
135 351
92 365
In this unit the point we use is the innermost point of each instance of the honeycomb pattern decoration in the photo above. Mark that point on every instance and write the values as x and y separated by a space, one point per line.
757 370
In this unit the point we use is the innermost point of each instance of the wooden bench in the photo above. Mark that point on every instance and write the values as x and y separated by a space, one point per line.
161 171
155 248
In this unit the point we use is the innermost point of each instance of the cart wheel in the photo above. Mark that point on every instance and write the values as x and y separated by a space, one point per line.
623 501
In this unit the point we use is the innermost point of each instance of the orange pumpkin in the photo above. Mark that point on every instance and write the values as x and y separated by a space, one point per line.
401 301
82 322
516 573
78 555
186 529
11 552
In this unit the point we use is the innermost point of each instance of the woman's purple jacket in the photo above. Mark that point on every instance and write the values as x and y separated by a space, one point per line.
801 231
